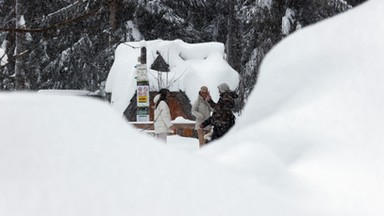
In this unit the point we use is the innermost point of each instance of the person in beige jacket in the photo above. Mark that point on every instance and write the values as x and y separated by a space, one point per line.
202 111
162 116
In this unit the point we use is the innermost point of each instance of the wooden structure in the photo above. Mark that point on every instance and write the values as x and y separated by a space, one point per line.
178 102
182 129
179 105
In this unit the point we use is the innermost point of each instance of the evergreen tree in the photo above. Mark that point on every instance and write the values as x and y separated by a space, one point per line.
69 44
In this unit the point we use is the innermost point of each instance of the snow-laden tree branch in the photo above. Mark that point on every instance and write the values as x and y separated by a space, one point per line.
54 26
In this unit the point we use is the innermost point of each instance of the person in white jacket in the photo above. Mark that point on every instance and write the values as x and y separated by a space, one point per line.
162 116
202 111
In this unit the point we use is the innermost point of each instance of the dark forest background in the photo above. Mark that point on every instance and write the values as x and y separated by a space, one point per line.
69 44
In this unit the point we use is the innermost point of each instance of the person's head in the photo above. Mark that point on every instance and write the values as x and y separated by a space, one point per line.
223 87
204 91
163 93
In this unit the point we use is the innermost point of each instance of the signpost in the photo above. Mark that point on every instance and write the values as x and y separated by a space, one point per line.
142 111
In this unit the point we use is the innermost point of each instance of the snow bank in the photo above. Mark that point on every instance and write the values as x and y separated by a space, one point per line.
191 66
73 156
317 115
309 142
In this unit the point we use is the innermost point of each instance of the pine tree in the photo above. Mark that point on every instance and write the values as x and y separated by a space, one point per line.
92 28
70 44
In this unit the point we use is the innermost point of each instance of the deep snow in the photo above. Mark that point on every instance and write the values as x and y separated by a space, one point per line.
309 142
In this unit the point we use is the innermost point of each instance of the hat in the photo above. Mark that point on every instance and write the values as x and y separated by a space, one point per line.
204 89
223 87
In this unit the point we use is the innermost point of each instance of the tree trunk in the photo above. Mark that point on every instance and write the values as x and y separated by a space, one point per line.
233 37
234 50
112 20
20 48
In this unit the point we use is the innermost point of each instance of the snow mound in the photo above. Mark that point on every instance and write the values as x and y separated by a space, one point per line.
73 156
309 142
318 110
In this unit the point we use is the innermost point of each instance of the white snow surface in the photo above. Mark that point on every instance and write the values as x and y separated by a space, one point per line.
317 113
73 156
309 142
191 66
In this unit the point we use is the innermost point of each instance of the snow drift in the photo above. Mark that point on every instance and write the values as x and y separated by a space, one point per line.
309 142
71 156
317 113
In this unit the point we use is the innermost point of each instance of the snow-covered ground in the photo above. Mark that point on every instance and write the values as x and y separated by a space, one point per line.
309 142
183 143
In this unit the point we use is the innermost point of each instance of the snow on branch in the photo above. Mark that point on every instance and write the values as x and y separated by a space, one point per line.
81 46
71 14
167 12
67 13
341 5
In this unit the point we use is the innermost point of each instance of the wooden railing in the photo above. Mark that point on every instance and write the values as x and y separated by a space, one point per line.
182 129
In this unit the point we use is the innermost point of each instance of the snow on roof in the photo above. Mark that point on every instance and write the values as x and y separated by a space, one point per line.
191 66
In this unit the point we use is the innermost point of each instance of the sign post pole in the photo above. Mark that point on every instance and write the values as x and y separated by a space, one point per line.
142 111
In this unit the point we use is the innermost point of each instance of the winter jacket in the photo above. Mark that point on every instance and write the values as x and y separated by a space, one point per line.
222 118
162 116
201 110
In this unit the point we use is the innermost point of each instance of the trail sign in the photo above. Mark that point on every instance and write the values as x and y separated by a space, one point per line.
142 108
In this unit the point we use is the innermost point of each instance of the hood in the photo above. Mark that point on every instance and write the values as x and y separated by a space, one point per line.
223 87
157 97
